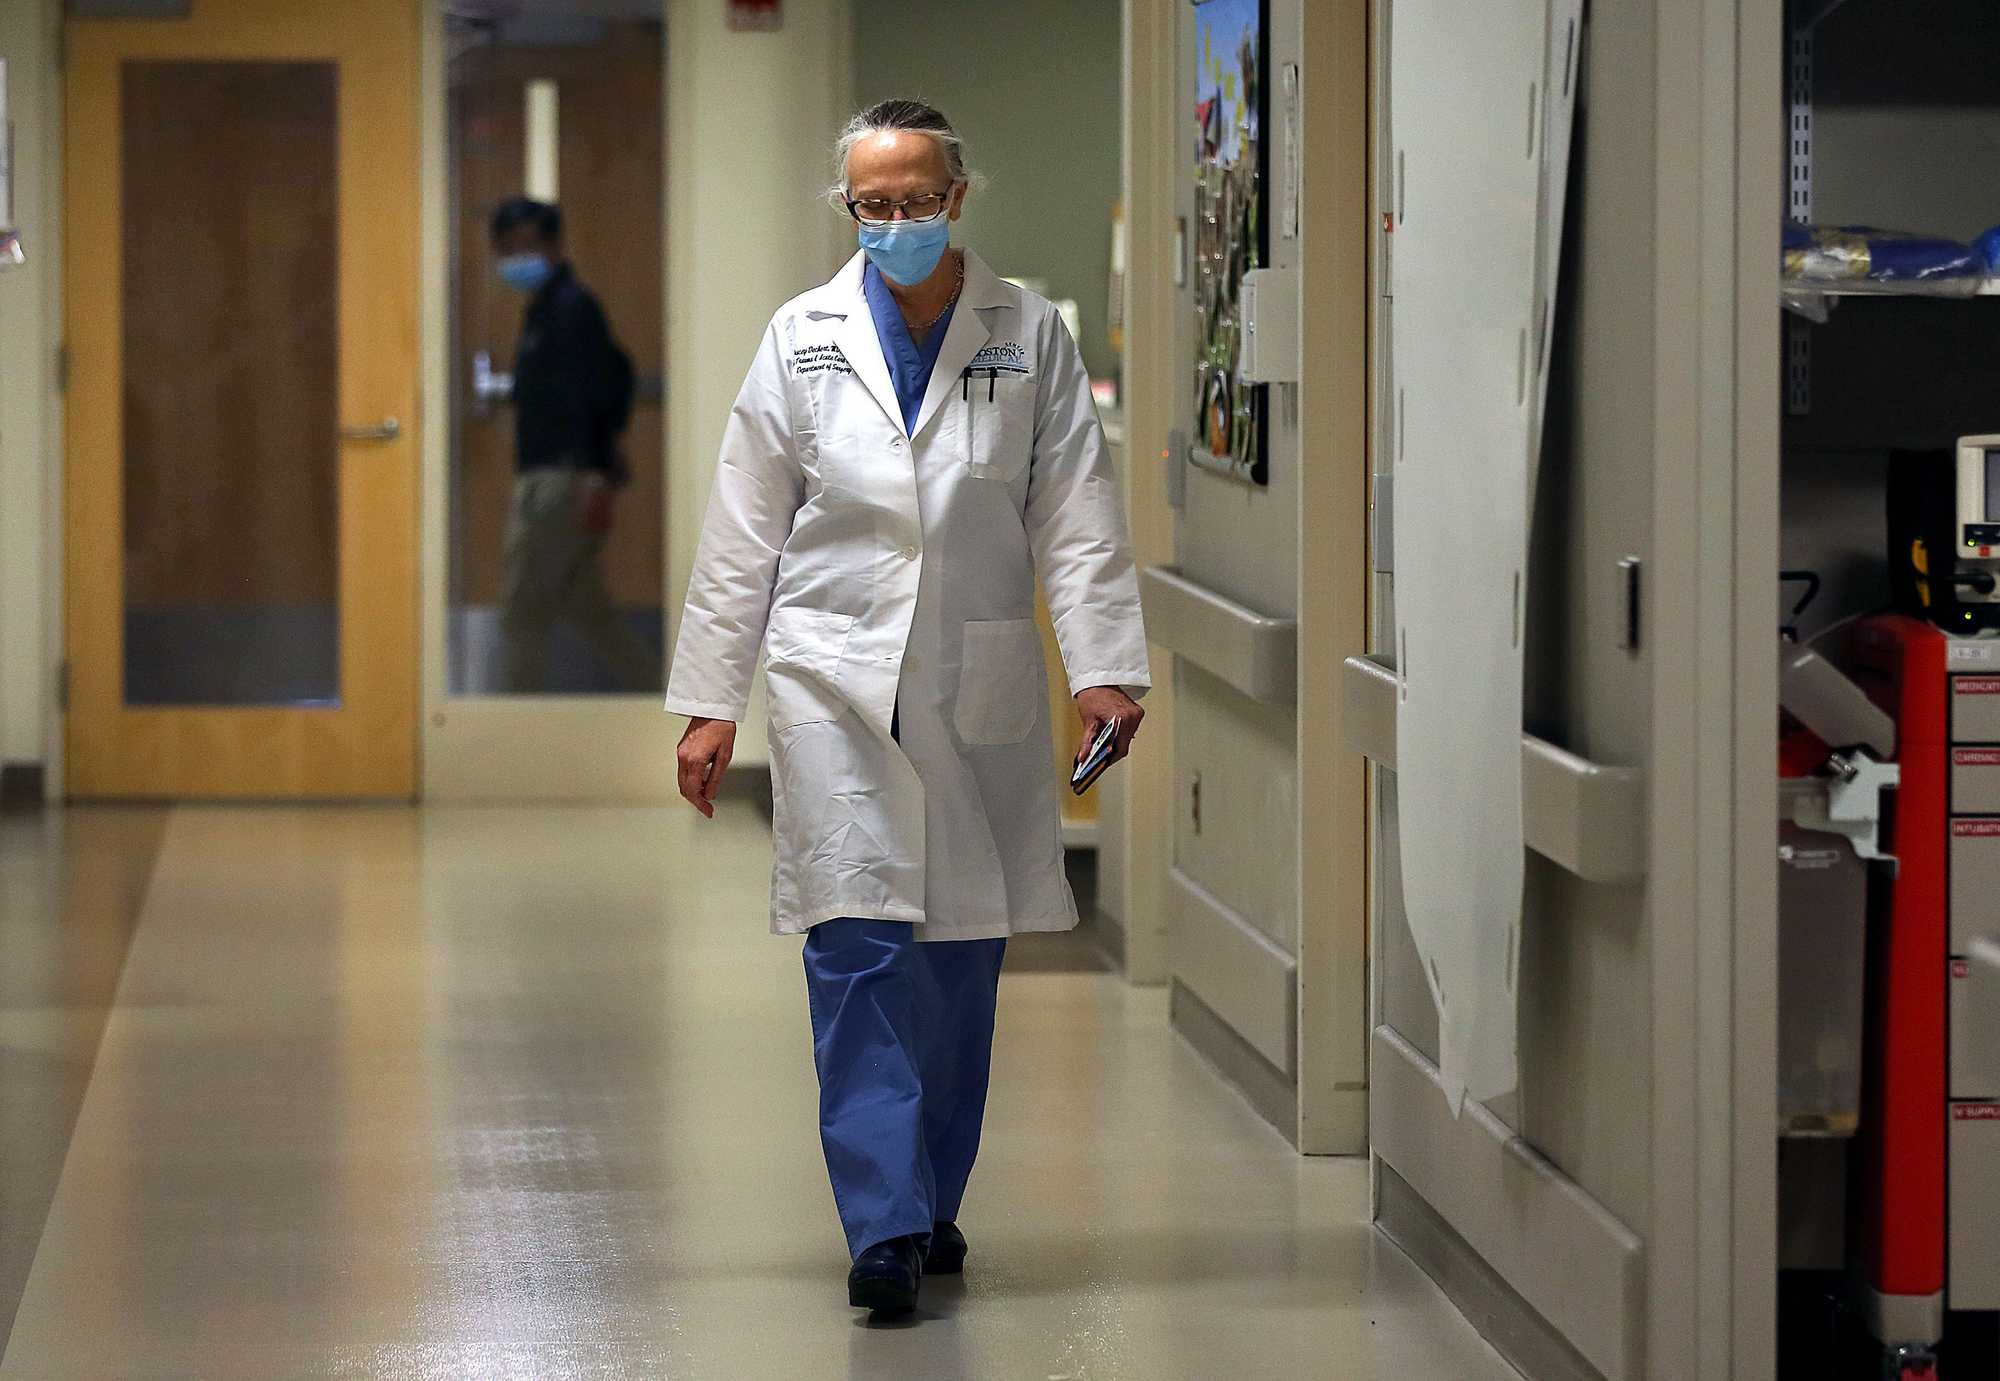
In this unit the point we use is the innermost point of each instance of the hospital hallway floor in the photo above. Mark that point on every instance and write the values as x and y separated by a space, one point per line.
500 1092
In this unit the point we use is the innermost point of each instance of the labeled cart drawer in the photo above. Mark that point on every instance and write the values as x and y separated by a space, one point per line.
1975 881
1975 1206
1975 781
1975 1030
1975 709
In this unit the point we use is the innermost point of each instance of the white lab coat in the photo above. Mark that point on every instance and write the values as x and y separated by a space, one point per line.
892 576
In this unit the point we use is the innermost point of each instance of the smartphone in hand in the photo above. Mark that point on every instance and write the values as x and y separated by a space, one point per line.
1092 764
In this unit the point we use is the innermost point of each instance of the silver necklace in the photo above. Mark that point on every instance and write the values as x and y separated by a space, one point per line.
950 302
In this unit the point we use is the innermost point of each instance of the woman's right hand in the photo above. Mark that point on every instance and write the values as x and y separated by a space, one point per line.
704 755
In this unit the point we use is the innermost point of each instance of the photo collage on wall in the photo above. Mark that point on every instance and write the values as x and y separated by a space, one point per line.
1230 420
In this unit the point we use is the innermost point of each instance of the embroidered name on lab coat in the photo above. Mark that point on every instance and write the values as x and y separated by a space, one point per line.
1008 357
820 359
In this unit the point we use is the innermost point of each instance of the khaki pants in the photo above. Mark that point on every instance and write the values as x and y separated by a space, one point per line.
552 576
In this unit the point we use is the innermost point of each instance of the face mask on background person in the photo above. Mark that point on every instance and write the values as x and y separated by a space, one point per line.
526 272
906 252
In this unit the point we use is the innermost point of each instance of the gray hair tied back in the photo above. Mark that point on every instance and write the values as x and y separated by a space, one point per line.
885 117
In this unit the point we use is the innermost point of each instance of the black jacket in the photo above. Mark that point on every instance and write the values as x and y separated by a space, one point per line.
572 382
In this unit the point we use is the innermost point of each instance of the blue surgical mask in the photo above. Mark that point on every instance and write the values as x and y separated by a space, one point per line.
907 252
526 272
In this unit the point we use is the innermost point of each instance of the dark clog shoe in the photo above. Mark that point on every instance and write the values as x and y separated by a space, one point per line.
886 1276
946 1256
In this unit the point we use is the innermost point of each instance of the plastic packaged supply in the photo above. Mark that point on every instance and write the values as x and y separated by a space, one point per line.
1850 257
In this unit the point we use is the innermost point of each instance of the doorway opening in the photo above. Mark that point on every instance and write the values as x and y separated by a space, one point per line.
561 104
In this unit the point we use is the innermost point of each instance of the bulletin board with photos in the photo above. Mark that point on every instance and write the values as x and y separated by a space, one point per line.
1230 235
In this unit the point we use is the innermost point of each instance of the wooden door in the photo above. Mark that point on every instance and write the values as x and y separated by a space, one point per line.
242 208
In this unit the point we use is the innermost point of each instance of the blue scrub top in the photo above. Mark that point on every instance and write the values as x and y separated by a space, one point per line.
909 364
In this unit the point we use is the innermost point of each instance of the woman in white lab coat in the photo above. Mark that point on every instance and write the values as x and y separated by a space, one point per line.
915 442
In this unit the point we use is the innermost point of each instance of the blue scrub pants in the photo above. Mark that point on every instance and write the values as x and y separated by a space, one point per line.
903 1041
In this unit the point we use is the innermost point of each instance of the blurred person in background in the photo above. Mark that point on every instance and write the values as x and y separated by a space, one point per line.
573 388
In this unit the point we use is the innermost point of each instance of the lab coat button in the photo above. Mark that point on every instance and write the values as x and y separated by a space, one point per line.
909 553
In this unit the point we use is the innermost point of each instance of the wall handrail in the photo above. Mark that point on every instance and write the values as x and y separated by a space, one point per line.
1583 816
1255 653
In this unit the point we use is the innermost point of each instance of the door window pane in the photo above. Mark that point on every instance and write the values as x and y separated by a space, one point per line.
231 383
570 106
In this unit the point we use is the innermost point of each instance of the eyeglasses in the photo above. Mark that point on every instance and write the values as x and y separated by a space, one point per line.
878 211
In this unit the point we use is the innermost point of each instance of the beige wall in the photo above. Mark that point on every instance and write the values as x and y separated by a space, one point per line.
1333 578
750 120
29 412
1137 839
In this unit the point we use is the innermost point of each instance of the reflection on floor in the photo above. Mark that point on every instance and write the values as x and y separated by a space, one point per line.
528 1093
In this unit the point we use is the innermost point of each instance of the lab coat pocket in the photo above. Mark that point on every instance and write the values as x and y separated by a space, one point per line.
803 653
999 425
1001 682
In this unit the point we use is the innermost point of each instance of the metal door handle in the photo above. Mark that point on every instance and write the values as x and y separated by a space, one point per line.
388 429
